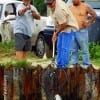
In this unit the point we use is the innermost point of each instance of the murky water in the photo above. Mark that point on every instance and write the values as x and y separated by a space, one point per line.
42 84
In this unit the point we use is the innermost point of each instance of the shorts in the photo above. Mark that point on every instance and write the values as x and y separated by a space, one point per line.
22 42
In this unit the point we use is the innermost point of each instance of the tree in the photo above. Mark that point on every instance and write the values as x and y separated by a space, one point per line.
40 5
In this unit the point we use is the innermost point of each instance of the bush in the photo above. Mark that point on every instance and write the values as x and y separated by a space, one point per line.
94 49
6 46
41 6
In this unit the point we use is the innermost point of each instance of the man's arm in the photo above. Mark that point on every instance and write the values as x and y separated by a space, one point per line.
62 21
59 29
35 15
92 14
28 7
22 11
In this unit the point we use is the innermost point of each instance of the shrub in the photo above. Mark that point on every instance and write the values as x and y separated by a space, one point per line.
6 46
94 49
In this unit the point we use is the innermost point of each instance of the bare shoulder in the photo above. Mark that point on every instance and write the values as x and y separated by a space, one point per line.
84 5
87 6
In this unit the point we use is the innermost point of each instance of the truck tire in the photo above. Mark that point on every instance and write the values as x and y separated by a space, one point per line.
42 48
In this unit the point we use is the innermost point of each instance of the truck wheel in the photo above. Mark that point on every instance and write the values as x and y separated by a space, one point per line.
42 48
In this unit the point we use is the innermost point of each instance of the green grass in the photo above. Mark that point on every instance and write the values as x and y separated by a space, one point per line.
7 54
96 62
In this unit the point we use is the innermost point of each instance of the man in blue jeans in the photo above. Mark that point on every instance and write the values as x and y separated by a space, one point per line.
65 24
81 11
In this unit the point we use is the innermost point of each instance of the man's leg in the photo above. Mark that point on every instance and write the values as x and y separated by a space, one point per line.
19 55
25 53
27 47
83 42
64 45
74 51
59 44
19 46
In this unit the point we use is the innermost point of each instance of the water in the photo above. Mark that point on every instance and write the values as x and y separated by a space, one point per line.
30 84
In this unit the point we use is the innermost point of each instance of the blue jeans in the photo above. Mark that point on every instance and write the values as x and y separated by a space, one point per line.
80 42
64 45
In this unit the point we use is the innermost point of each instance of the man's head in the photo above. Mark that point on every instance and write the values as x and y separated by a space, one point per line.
76 2
50 3
27 1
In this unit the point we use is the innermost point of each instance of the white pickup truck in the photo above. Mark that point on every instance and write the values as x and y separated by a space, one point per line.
7 18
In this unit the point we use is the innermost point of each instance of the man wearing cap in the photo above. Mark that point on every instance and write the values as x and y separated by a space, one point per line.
23 28
65 25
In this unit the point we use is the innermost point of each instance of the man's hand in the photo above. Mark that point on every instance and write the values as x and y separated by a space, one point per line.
28 7
86 24
21 12
54 37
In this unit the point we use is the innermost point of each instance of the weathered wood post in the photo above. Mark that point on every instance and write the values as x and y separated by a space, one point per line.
1 82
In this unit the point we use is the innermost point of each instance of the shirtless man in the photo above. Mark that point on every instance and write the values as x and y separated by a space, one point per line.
81 11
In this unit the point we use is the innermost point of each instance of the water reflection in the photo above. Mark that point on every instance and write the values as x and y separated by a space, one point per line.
43 84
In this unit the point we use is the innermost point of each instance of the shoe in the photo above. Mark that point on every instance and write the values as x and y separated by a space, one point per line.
71 66
84 66
74 65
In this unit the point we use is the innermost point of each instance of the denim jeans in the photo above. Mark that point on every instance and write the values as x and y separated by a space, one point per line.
80 42
64 45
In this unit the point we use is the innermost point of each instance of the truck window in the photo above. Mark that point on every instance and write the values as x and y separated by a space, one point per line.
10 10
1 10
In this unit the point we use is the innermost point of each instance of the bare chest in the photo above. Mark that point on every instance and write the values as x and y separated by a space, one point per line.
79 11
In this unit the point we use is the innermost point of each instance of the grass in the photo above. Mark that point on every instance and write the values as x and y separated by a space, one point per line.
96 62
7 55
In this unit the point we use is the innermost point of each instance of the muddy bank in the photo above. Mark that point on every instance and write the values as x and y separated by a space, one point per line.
36 83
